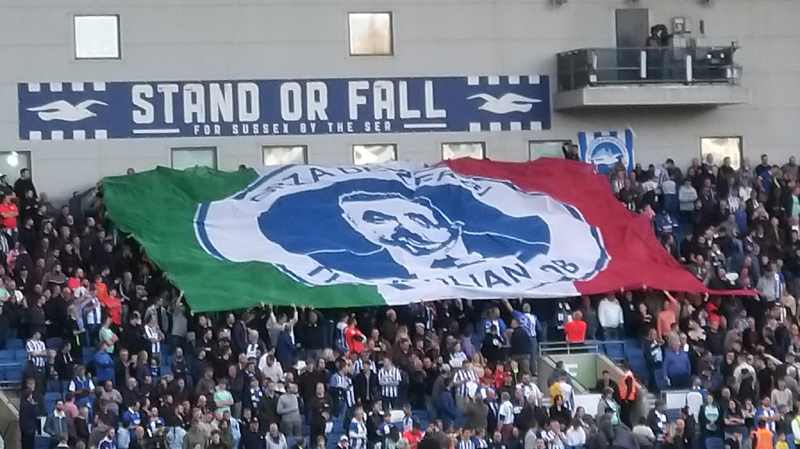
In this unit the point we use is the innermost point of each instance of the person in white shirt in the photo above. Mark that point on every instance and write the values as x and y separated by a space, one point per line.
270 369
609 313
575 436
567 391
505 416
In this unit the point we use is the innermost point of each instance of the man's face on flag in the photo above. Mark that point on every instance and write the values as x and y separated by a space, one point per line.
401 223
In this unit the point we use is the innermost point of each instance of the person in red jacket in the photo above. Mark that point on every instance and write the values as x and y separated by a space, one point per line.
353 337
576 329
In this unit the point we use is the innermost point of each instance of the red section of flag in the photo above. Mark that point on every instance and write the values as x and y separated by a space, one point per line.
637 258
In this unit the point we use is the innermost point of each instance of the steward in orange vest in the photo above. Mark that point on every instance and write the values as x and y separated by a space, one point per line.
763 437
627 394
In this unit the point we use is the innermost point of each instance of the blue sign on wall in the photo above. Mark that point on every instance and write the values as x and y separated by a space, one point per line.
117 110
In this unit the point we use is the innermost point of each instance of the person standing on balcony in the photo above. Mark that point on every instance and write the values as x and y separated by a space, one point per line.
609 312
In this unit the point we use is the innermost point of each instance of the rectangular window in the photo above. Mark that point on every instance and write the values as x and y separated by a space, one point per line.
97 37
374 154
546 148
475 150
284 155
183 158
722 147
11 162
371 34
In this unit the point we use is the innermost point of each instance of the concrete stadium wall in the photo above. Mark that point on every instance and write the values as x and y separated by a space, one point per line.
248 39
9 423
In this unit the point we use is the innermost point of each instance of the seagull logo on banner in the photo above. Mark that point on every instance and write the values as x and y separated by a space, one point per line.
509 102
66 112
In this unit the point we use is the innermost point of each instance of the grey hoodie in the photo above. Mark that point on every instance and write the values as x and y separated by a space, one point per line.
289 407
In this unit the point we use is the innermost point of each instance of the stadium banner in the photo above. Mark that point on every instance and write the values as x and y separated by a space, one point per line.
390 234
605 150
118 110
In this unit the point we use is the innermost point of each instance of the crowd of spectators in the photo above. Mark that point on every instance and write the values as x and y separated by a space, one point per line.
136 368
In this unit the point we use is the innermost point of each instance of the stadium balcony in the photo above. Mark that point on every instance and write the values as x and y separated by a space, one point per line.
648 77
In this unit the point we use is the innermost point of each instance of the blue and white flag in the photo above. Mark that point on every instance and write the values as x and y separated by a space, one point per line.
606 149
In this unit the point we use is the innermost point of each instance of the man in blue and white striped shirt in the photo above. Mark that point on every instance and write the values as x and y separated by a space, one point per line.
37 351
465 442
153 334
530 324
462 380
389 378
343 386
358 430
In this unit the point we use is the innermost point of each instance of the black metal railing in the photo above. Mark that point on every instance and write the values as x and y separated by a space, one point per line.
587 67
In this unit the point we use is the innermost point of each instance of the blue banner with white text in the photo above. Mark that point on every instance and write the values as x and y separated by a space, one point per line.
119 110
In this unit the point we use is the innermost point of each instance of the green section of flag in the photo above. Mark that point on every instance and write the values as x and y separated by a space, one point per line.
157 208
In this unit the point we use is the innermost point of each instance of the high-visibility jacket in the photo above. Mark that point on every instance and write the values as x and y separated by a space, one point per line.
796 430
624 394
764 439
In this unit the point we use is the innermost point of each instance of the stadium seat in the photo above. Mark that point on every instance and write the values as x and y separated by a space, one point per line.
660 382
672 415
632 343
15 343
53 343
13 373
6 356
21 355
614 351
41 442
50 399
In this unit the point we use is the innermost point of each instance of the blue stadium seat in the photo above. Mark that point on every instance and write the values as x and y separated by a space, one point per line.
6 356
660 382
633 343
53 343
50 399
41 442
15 343
614 351
673 414
13 373
21 355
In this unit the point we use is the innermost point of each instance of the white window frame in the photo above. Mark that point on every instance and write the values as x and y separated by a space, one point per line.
264 149
351 38
173 150
560 143
75 20
482 145
12 177
735 161
392 145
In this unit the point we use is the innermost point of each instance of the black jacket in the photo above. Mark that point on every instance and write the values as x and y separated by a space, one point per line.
252 440
492 348
366 390
312 336
520 342
28 421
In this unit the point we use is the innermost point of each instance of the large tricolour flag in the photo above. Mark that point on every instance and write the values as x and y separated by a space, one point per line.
390 234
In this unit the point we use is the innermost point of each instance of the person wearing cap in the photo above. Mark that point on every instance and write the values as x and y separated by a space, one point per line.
251 437
344 442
